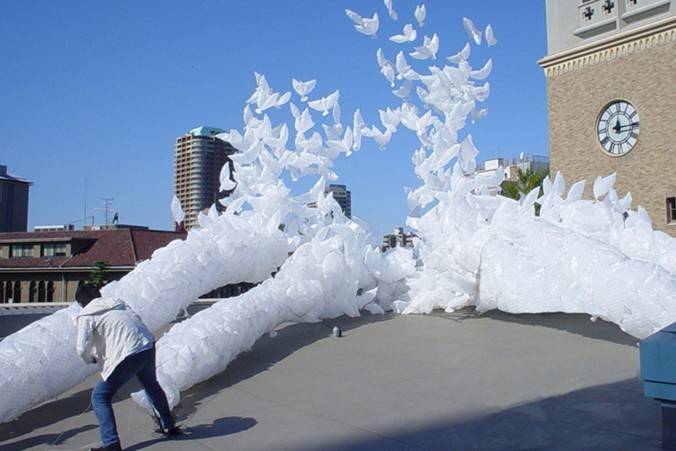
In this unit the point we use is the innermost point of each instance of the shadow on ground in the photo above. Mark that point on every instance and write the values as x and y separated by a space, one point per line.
48 439
579 324
219 428
267 352
605 417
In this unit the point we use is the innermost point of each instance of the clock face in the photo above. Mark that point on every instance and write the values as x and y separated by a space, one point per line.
618 128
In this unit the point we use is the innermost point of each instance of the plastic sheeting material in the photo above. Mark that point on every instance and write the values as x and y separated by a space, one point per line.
575 274
320 280
39 362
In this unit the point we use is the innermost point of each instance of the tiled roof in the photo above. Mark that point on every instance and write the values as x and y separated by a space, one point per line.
122 247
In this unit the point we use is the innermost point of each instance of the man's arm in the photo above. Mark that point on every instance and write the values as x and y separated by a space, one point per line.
85 332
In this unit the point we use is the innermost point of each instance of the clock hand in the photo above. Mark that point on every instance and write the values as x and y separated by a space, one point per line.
617 126
629 126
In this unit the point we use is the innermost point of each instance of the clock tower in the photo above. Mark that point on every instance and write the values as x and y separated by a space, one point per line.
611 89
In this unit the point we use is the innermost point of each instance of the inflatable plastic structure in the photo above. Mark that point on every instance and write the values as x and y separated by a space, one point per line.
473 247
321 280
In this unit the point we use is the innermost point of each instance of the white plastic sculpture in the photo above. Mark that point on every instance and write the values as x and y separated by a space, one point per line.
473 248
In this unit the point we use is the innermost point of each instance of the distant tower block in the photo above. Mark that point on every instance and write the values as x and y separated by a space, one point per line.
13 202
611 99
343 196
198 159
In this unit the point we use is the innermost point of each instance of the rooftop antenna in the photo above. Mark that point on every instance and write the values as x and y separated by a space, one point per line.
107 207
84 216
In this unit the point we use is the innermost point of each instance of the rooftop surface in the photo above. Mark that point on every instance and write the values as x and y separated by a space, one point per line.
443 381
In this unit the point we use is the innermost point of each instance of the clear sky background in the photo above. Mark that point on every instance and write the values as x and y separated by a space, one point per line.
102 89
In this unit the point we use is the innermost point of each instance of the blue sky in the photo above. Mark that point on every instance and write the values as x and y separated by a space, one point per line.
102 89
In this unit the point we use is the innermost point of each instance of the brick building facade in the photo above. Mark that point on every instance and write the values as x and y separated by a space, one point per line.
628 54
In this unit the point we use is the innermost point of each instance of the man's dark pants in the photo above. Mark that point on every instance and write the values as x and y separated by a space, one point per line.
141 365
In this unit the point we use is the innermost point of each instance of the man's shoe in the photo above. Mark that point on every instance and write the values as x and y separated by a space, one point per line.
115 447
176 431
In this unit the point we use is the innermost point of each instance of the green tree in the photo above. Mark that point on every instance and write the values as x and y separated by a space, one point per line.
99 275
526 181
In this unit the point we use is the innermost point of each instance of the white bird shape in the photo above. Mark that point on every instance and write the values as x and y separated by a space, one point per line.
490 37
386 67
227 184
357 127
364 25
602 185
303 121
336 113
390 118
404 90
264 97
303 88
462 55
379 137
325 103
344 145
428 50
420 14
404 70
482 73
388 72
176 210
408 35
471 30
390 10
380 57
310 144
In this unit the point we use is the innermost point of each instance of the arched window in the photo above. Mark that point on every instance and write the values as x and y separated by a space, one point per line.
31 291
41 291
50 291
17 291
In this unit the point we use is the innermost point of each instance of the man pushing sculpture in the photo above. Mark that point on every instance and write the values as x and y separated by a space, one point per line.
109 332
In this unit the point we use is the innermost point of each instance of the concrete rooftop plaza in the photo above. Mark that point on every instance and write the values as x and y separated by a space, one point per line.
444 381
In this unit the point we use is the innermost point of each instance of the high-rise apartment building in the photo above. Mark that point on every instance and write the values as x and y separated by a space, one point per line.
198 159
611 77
343 196
13 202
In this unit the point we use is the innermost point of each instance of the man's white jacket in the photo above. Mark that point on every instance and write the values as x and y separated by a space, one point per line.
109 331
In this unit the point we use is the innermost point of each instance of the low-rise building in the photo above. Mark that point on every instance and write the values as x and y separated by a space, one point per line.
49 266
512 166
54 228
397 238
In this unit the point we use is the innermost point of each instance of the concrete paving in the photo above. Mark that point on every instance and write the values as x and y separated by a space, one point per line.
443 381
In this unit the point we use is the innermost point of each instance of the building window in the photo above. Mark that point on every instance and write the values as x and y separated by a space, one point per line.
671 210
21 250
54 250
41 291
17 292
31 291
50 291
